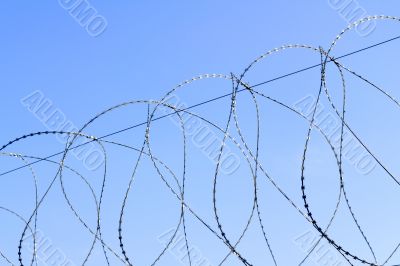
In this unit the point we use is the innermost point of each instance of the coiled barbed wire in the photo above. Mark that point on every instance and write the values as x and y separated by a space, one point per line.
251 155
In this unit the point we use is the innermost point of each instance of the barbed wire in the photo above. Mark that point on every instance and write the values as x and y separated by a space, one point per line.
231 133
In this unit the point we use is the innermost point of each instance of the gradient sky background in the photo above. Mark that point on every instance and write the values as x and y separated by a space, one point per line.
148 48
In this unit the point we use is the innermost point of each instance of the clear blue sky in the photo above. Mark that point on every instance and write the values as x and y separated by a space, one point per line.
144 51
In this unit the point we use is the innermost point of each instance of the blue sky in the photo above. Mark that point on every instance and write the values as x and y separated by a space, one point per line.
146 49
